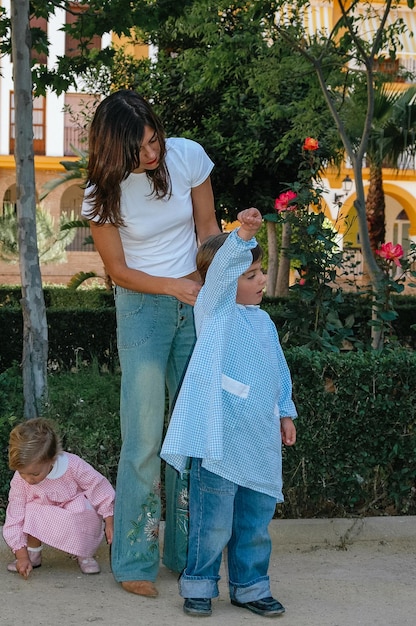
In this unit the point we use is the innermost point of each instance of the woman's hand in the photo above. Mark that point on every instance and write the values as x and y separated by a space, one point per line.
109 529
185 290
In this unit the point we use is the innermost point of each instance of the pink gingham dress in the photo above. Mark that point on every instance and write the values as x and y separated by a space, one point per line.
65 510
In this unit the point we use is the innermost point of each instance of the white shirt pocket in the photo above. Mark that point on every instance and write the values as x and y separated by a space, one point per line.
235 387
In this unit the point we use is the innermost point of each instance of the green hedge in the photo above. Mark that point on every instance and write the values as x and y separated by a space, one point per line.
61 297
356 448
74 336
81 324
403 328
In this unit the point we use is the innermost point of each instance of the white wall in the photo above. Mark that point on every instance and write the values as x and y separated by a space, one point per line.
6 85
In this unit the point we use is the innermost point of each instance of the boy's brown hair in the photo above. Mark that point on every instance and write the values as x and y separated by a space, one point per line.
210 247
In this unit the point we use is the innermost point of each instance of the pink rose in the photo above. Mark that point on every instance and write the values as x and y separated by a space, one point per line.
282 202
391 252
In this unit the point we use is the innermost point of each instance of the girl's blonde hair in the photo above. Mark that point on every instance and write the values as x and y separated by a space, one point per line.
33 441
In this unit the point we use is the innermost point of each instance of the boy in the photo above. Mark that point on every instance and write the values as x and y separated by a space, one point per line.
233 412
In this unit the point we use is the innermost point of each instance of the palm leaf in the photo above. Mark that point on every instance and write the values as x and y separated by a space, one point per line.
80 278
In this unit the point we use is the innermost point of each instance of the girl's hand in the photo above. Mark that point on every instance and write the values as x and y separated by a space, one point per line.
24 566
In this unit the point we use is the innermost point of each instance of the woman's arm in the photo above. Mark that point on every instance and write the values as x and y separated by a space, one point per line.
204 211
108 244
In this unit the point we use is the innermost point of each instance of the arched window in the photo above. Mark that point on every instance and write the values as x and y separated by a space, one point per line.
71 205
401 228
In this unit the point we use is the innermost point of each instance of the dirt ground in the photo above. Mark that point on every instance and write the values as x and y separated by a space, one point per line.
325 572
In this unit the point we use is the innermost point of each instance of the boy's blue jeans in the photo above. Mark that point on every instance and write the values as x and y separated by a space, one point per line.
222 513
155 337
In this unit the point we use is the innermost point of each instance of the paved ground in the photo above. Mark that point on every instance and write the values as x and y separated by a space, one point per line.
325 572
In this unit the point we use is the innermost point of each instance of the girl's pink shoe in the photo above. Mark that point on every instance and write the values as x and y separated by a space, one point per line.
88 565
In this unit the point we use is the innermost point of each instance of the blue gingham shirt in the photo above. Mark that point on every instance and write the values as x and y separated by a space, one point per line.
237 385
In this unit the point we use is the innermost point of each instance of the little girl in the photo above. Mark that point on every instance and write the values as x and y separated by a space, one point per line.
55 497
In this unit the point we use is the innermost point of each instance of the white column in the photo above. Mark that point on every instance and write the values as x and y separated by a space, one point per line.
54 103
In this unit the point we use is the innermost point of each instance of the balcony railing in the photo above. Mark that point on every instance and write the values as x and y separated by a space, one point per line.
74 137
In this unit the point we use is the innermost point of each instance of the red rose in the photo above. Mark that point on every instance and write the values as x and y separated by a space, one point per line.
310 144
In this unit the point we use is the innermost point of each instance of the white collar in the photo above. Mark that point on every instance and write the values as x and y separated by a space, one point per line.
59 467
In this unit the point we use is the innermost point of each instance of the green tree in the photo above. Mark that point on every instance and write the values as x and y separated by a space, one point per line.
392 141
35 330
212 82
345 48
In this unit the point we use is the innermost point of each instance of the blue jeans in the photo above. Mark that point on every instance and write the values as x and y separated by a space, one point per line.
155 337
222 514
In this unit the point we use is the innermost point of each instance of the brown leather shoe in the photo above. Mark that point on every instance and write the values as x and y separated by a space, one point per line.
140 587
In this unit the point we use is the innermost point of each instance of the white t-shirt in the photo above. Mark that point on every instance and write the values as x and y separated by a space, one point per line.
158 236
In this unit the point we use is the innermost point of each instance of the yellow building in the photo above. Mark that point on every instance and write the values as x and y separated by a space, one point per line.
399 186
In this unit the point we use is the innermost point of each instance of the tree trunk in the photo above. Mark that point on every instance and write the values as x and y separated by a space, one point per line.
282 283
272 258
35 330
370 267
375 206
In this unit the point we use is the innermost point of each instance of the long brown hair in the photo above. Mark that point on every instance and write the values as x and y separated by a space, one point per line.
115 137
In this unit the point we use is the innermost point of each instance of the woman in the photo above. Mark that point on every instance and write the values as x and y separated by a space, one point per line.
148 200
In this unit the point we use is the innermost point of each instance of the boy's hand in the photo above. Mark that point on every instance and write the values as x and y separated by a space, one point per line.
288 430
251 220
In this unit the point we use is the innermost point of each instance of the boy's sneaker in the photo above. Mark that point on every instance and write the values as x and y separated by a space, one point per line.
198 607
268 607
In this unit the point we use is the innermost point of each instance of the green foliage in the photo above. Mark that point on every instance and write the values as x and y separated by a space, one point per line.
10 394
77 336
73 171
395 273
80 278
221 78
51 240
85 404
82 325
61 297
313 312
312 317
356 448
228 88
